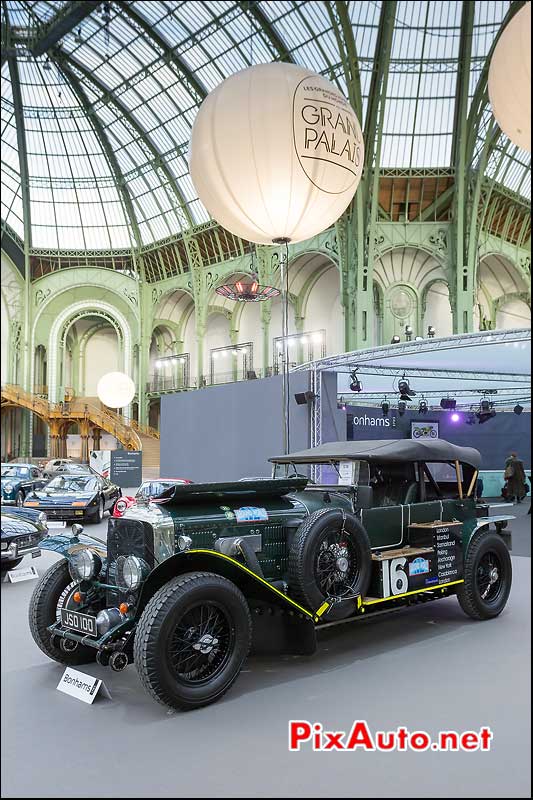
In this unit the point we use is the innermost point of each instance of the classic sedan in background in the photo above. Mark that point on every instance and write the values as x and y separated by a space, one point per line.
65 466
148 490
22 530
18 480
75 497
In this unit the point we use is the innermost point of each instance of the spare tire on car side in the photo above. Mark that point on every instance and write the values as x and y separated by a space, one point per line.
330 556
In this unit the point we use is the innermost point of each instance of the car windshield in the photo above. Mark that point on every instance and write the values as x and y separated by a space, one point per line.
154 488
15 472
79 483
346 473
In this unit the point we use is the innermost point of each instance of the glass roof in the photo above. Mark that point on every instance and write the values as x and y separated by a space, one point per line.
106 115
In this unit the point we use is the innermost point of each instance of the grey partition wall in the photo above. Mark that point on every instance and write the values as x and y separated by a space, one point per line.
229 432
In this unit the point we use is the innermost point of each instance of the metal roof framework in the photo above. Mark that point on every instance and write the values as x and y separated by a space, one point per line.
108 106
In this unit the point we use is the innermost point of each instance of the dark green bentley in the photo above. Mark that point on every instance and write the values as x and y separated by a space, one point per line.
186 587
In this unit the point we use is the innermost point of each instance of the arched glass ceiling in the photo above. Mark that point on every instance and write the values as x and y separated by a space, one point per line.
105 116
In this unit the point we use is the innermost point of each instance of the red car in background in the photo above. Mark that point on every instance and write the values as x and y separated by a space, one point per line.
148 490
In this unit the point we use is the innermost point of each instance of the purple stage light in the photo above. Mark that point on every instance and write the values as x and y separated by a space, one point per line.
455 417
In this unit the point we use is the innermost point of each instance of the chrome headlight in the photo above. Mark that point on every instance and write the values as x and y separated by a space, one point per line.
121 506
42 518
184 542
84 565
7 488
132 573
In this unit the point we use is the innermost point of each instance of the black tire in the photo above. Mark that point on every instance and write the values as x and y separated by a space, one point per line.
178 607
50 594
342 567
19 499
484 593
8 565
99 513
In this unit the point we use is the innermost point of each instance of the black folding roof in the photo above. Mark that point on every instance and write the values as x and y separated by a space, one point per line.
393 450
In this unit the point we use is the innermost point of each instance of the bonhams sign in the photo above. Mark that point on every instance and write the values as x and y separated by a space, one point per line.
326 132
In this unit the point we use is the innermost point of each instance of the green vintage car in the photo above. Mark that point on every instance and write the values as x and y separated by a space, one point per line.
186 587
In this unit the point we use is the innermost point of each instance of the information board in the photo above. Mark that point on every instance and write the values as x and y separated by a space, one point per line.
126 468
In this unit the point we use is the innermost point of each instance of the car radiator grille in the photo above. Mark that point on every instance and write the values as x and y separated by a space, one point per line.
127 537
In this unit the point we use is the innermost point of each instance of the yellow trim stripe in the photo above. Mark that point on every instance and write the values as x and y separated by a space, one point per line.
257 578
320 611
406 594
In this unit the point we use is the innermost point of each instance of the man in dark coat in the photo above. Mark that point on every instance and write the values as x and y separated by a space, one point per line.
515 478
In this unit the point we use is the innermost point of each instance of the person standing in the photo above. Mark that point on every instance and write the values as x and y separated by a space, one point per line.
515 478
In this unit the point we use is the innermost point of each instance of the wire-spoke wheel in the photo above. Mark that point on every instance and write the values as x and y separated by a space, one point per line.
201 644
192 639
487 576
330 559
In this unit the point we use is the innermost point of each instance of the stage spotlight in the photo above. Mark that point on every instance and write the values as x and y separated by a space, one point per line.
408 332
455 417
405 390
395 339
355 383
402 407
423 407
486 411
431 331
385 407
518 409
419 338
448 403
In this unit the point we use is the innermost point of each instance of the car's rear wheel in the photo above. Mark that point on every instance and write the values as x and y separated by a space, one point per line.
54 592
330 557
488 576
192 639
8 565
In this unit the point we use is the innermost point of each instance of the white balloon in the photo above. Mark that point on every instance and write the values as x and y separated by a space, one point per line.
276 152
510 79
115 389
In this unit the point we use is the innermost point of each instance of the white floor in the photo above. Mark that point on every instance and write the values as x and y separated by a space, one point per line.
427 668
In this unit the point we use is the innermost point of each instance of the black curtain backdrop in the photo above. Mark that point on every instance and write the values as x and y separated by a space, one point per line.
495 439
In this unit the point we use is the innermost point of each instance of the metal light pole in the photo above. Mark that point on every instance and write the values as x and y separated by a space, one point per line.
285 396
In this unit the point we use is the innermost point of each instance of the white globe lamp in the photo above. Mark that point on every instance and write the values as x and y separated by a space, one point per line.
276 153
115 390
510 79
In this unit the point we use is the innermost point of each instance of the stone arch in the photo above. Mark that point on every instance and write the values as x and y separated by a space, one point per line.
404 274
436 308
502 293
94 309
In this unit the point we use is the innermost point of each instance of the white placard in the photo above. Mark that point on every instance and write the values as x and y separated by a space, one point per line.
346 473
23 574
82 686
57 523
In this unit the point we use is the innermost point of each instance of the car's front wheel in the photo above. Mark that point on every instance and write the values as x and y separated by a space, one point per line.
487 575
99 513
192 640
19 499
54 592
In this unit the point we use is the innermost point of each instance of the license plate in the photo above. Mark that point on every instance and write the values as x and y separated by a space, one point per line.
81 623
78 513
58 523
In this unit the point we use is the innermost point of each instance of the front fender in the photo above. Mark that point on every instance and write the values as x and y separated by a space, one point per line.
248 582
279 623
61 543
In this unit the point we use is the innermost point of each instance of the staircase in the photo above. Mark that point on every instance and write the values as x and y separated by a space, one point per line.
88 411
151 457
